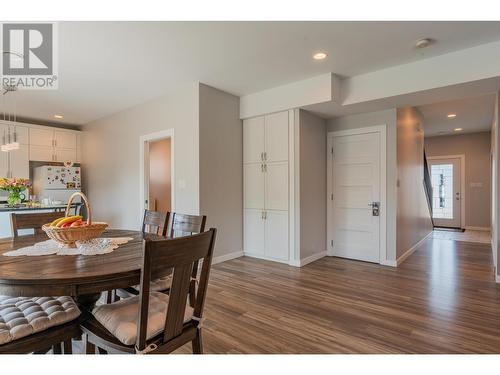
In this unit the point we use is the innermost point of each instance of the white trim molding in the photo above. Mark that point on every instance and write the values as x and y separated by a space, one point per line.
462 182
382 130
411 250
497 278
307 260
226 257
482 229
164 134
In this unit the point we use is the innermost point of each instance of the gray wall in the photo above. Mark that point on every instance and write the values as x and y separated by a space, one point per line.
388 118
111 156
312 156
221 172
413 217
495 190
476 148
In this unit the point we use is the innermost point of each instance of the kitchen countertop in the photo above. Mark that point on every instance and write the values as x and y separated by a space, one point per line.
5 208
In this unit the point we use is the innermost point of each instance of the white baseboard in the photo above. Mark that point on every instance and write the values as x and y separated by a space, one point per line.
226 257
390 263
307 260
411 250
484 229
263 257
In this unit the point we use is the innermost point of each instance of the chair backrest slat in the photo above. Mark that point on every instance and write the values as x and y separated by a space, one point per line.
155 222
32 221
179 254
183 225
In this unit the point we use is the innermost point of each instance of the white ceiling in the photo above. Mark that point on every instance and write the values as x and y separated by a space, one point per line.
473 115
105 67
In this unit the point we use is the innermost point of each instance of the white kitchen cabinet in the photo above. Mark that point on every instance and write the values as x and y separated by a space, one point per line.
63 154
65 140
254 232
41 153
266 186
276 235
276 189
42 137
254 144
19 162
254 186
276 135
4 164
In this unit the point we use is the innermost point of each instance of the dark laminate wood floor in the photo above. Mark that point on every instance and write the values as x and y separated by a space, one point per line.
443 299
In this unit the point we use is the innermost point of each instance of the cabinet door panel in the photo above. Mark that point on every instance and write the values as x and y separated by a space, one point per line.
20 163
64 139
4 164
277 186
253 186
276 236
41 137
253 139
41 153
254 232
277 137
63 155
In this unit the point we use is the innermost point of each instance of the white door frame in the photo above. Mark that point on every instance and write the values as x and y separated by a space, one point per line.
462 182
381 129
164 134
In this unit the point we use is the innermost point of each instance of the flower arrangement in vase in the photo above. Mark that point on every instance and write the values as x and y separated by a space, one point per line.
15 187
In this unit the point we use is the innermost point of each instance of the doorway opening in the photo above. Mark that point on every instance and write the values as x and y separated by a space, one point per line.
157 175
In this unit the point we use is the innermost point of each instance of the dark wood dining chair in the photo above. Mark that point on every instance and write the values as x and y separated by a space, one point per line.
32 221
181 225
155 222
153 322
36 325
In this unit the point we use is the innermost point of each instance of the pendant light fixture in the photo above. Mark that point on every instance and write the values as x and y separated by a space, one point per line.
9 138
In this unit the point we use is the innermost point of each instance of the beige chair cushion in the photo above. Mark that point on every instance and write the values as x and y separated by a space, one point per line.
121 318
24 316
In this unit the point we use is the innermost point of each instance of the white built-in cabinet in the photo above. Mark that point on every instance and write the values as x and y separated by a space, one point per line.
37 143
16 162
51 144
267 186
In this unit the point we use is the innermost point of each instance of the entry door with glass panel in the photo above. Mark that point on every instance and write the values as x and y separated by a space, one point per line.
446 194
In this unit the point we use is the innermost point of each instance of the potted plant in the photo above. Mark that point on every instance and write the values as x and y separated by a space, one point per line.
15 188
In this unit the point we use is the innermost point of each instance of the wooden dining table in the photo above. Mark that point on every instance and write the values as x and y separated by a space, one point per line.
83 277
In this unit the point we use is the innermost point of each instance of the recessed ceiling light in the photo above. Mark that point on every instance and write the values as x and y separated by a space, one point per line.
458 129
451 115
59 117
424 42
319 56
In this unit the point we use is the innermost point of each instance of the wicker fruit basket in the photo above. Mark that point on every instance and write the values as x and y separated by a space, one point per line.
69 235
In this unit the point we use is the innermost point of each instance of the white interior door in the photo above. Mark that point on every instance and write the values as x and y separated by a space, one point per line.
356 187
446 192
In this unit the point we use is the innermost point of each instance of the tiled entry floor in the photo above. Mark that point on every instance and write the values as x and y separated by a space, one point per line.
479 236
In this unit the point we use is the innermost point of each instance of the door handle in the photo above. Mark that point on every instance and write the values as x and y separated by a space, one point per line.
375 208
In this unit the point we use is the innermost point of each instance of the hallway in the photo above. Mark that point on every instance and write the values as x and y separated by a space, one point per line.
442 299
